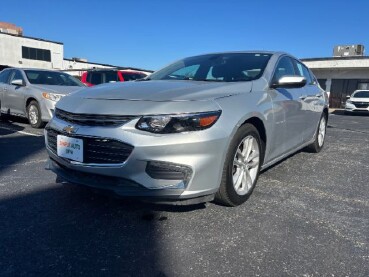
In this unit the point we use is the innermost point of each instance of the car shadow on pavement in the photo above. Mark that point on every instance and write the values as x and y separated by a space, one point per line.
8 128
70 230
15 149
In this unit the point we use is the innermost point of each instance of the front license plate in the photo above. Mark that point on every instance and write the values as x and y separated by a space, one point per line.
70 148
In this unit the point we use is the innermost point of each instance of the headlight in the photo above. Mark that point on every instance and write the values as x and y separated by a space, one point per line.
52 96
166 124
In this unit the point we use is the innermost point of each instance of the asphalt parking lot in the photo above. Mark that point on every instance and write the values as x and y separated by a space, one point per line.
308 216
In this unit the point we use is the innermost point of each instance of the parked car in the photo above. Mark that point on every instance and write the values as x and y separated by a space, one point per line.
33 93
357 102
100 76
200 128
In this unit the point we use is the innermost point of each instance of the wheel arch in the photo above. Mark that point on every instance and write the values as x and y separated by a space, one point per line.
29 100
259 125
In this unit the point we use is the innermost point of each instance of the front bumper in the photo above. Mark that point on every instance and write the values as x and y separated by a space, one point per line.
202 153
47 109
349 107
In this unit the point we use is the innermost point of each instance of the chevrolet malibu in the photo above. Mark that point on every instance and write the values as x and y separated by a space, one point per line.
198 129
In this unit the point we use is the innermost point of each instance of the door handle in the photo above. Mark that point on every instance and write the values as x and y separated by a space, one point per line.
5 89
303 97
318 95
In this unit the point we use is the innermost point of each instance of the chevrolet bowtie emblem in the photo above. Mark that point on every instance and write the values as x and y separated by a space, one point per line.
70 129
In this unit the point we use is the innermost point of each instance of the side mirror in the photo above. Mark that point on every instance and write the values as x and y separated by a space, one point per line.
290 82
348 96
18 82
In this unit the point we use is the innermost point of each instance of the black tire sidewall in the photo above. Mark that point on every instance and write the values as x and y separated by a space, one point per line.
39 122
317 147
244 131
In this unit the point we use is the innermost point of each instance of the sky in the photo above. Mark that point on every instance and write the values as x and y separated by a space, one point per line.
151 34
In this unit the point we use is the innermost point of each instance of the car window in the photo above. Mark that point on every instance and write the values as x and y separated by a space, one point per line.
4 76
223 67
303 72
95 78
54 78
361 94
111 76
132 76
284 68
16 76
185 73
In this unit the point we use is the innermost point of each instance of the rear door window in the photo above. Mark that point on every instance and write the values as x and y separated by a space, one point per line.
95 78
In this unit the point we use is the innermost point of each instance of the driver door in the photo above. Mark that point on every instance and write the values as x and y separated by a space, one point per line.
16 94
288 116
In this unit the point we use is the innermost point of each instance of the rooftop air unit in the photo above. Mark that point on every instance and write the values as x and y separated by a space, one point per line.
348 50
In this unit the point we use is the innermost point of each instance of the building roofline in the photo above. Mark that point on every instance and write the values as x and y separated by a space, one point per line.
39 39
114 66
335 58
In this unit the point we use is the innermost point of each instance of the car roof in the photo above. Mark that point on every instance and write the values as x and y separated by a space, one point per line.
38 69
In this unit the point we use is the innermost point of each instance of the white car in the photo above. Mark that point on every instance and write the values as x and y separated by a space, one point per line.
357 102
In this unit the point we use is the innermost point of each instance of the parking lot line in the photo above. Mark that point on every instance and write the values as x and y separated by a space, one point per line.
21 132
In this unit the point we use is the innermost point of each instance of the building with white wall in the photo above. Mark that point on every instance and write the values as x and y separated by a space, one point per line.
340 76
22 51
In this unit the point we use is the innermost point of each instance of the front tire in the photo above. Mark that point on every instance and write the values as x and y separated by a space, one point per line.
34 115
320 135
242 166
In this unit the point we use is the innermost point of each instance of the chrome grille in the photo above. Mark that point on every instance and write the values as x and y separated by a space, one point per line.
95 150
93 119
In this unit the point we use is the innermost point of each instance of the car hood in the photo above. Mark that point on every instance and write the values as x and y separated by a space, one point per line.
161 90
150 97
359 99
64 90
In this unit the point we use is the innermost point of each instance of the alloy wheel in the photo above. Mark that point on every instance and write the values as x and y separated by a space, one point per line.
245 165
33 114
321 131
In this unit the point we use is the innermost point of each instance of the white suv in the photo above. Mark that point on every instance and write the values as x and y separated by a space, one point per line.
357 102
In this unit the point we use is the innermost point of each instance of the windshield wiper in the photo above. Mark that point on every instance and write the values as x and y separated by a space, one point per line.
144 79
208 80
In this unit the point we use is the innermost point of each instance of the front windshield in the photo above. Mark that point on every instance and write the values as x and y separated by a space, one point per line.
228 67
54 78
361 94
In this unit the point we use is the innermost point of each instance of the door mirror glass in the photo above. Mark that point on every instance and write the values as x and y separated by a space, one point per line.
290 82
17 82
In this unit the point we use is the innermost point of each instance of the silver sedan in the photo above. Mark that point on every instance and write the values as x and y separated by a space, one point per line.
200 128
33 93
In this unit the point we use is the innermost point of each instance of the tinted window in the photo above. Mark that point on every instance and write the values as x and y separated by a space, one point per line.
54 78
361 94
111 76
227 67
304 72
36 54
4 76
132 76
284 68
95 78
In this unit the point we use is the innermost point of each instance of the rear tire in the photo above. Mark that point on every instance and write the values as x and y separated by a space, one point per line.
320 135
242 166
34 115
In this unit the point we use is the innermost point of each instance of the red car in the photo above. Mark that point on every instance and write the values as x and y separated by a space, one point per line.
96 77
